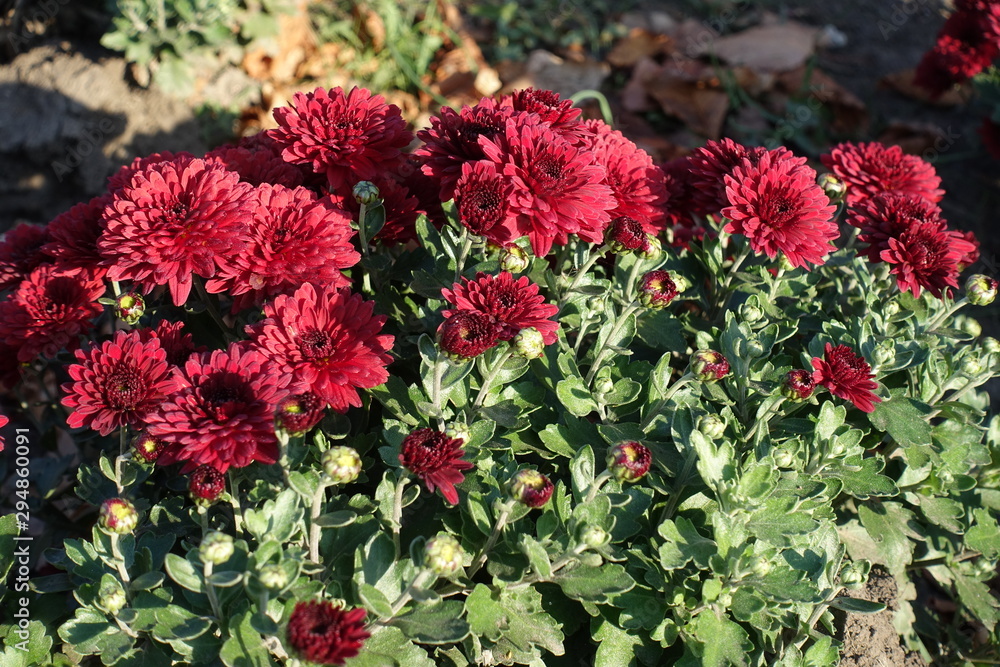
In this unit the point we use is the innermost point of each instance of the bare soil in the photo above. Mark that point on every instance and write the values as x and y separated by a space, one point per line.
870 640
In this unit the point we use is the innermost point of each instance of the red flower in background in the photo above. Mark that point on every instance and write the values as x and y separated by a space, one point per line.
73 236
557 113
436 460
707 168
481 197
926 256
117 383
966 45
123 176
299 413
49 311
680 207
294 238
328 340
349 137
400 211
324 634
257 159
557 189
972 255
222 411
779 207
847 376
869 169
514 304
21 251
3 422
172 220
889 214
178 345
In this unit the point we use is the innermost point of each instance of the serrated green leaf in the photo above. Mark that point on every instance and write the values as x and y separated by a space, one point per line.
516 615
440 623
86 631
904 418
778 519
885 524
861 478
389 647
984 534
718 641
683 544
595 584
976 596
538 558
28 649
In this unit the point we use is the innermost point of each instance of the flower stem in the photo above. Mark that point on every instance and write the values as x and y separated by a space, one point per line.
601 353
505 511
463 254
944 315
315 531
596 485
655 409
591 260
397 510
120 563
234 500
362 239
491 375
210 591
440 364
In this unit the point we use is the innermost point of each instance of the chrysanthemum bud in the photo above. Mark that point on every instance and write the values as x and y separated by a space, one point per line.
595 305
761 566
754 348
460 432
832 186
751 313
991 345
529 343
299 413
884 353
342 464
443 555
129 307
514 260
603 386
981 290
148 448
652 248
970 366
681 283
852 575
467 334
594 537
530 487
890 309
625 234
629 461
657 289
216 548
272 577
713 426
783 458
784 263
799 385
206 484
118 516
971 327
365 192
111 598
709 365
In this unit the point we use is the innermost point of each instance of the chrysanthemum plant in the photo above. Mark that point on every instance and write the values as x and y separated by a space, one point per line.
584 411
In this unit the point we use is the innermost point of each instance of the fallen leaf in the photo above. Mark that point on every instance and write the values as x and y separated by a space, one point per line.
850 115
913 137
637 45
691 37
548 71
902 83
690 91
769 48
633 96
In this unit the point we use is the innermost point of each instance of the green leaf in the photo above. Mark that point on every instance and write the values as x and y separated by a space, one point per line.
556 438
440 623
904 418
977 598
823 653
581 470
337 519
175 622
26 647
861 477
595 584
516 615
885 524
148 581
8 531
684 544
244 647
183 572
617 647
389 647
718 641
375 600
538 558
984 534
715 462
225 579
856 605
86 631
778 519
574 394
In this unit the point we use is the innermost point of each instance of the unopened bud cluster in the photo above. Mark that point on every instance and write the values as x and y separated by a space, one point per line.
341 464
118 516
443 555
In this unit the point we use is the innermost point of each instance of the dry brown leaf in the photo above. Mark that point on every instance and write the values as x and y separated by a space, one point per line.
635 46
294 45
633 95
690 91
914 138
850 115
462 75
769 48
548 71
375 27
902 83
690 38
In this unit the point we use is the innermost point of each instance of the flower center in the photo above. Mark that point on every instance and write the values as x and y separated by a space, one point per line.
224 396
316 345
125 388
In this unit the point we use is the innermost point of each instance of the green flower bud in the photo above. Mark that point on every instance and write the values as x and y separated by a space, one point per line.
991 345
783 458
970 366
129 307
761 566
460 432
594 537
529 343
972 327
784 264
652 248
365 192
980 290
216 548
890 309
603 386
681 283
272 577
884 353
750 313
514 259
754 348
854 575
595 305
342 464
713 426
111 598
443 555
832 186
118 516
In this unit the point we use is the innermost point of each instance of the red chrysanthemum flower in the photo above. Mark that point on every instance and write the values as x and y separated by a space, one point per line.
531 488
657 289
349 137
709 365
779 207
222 411
481 197
681 206
299 413
172 220
557 113
888 215
294 238
847 376
49 311
514 304
636 183
178 344
467 333
926 256
123 176
707 168
324 634
971 256
799 385
117 383
21 252
871 168
148 448
558 190
424 188
453 139
625 234
257 159
73 236
328 340
629 461
966 45
206 483
3 422
436 459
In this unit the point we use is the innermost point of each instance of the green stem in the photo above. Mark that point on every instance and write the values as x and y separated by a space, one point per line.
463 255
659 405
397 510
505 511
603 351
591 260
417 584
120 564
234 500
440 364
484 390
775 284
602 101
633 280
315 530
724 292
362 239
596 485
210 591
948 312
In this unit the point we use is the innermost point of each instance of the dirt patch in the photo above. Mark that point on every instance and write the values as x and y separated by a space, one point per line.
870 640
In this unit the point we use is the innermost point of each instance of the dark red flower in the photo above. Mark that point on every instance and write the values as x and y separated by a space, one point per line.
123 176
328 340
172 220
299 413
436 460
49 311
779 207
629 461
453 139
148 448
709 365
421 186
625 234
707 168
557 189
966 45
847 376
557 113
73 236
636 183
257 159
871 168
206 483
657 289
926 256
531 487
799 385
3 422
888 215
681 205
971 256
117 383
481 197
21 251
178 344
294 238
514 304
467 333
222 412
350 137
324 634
